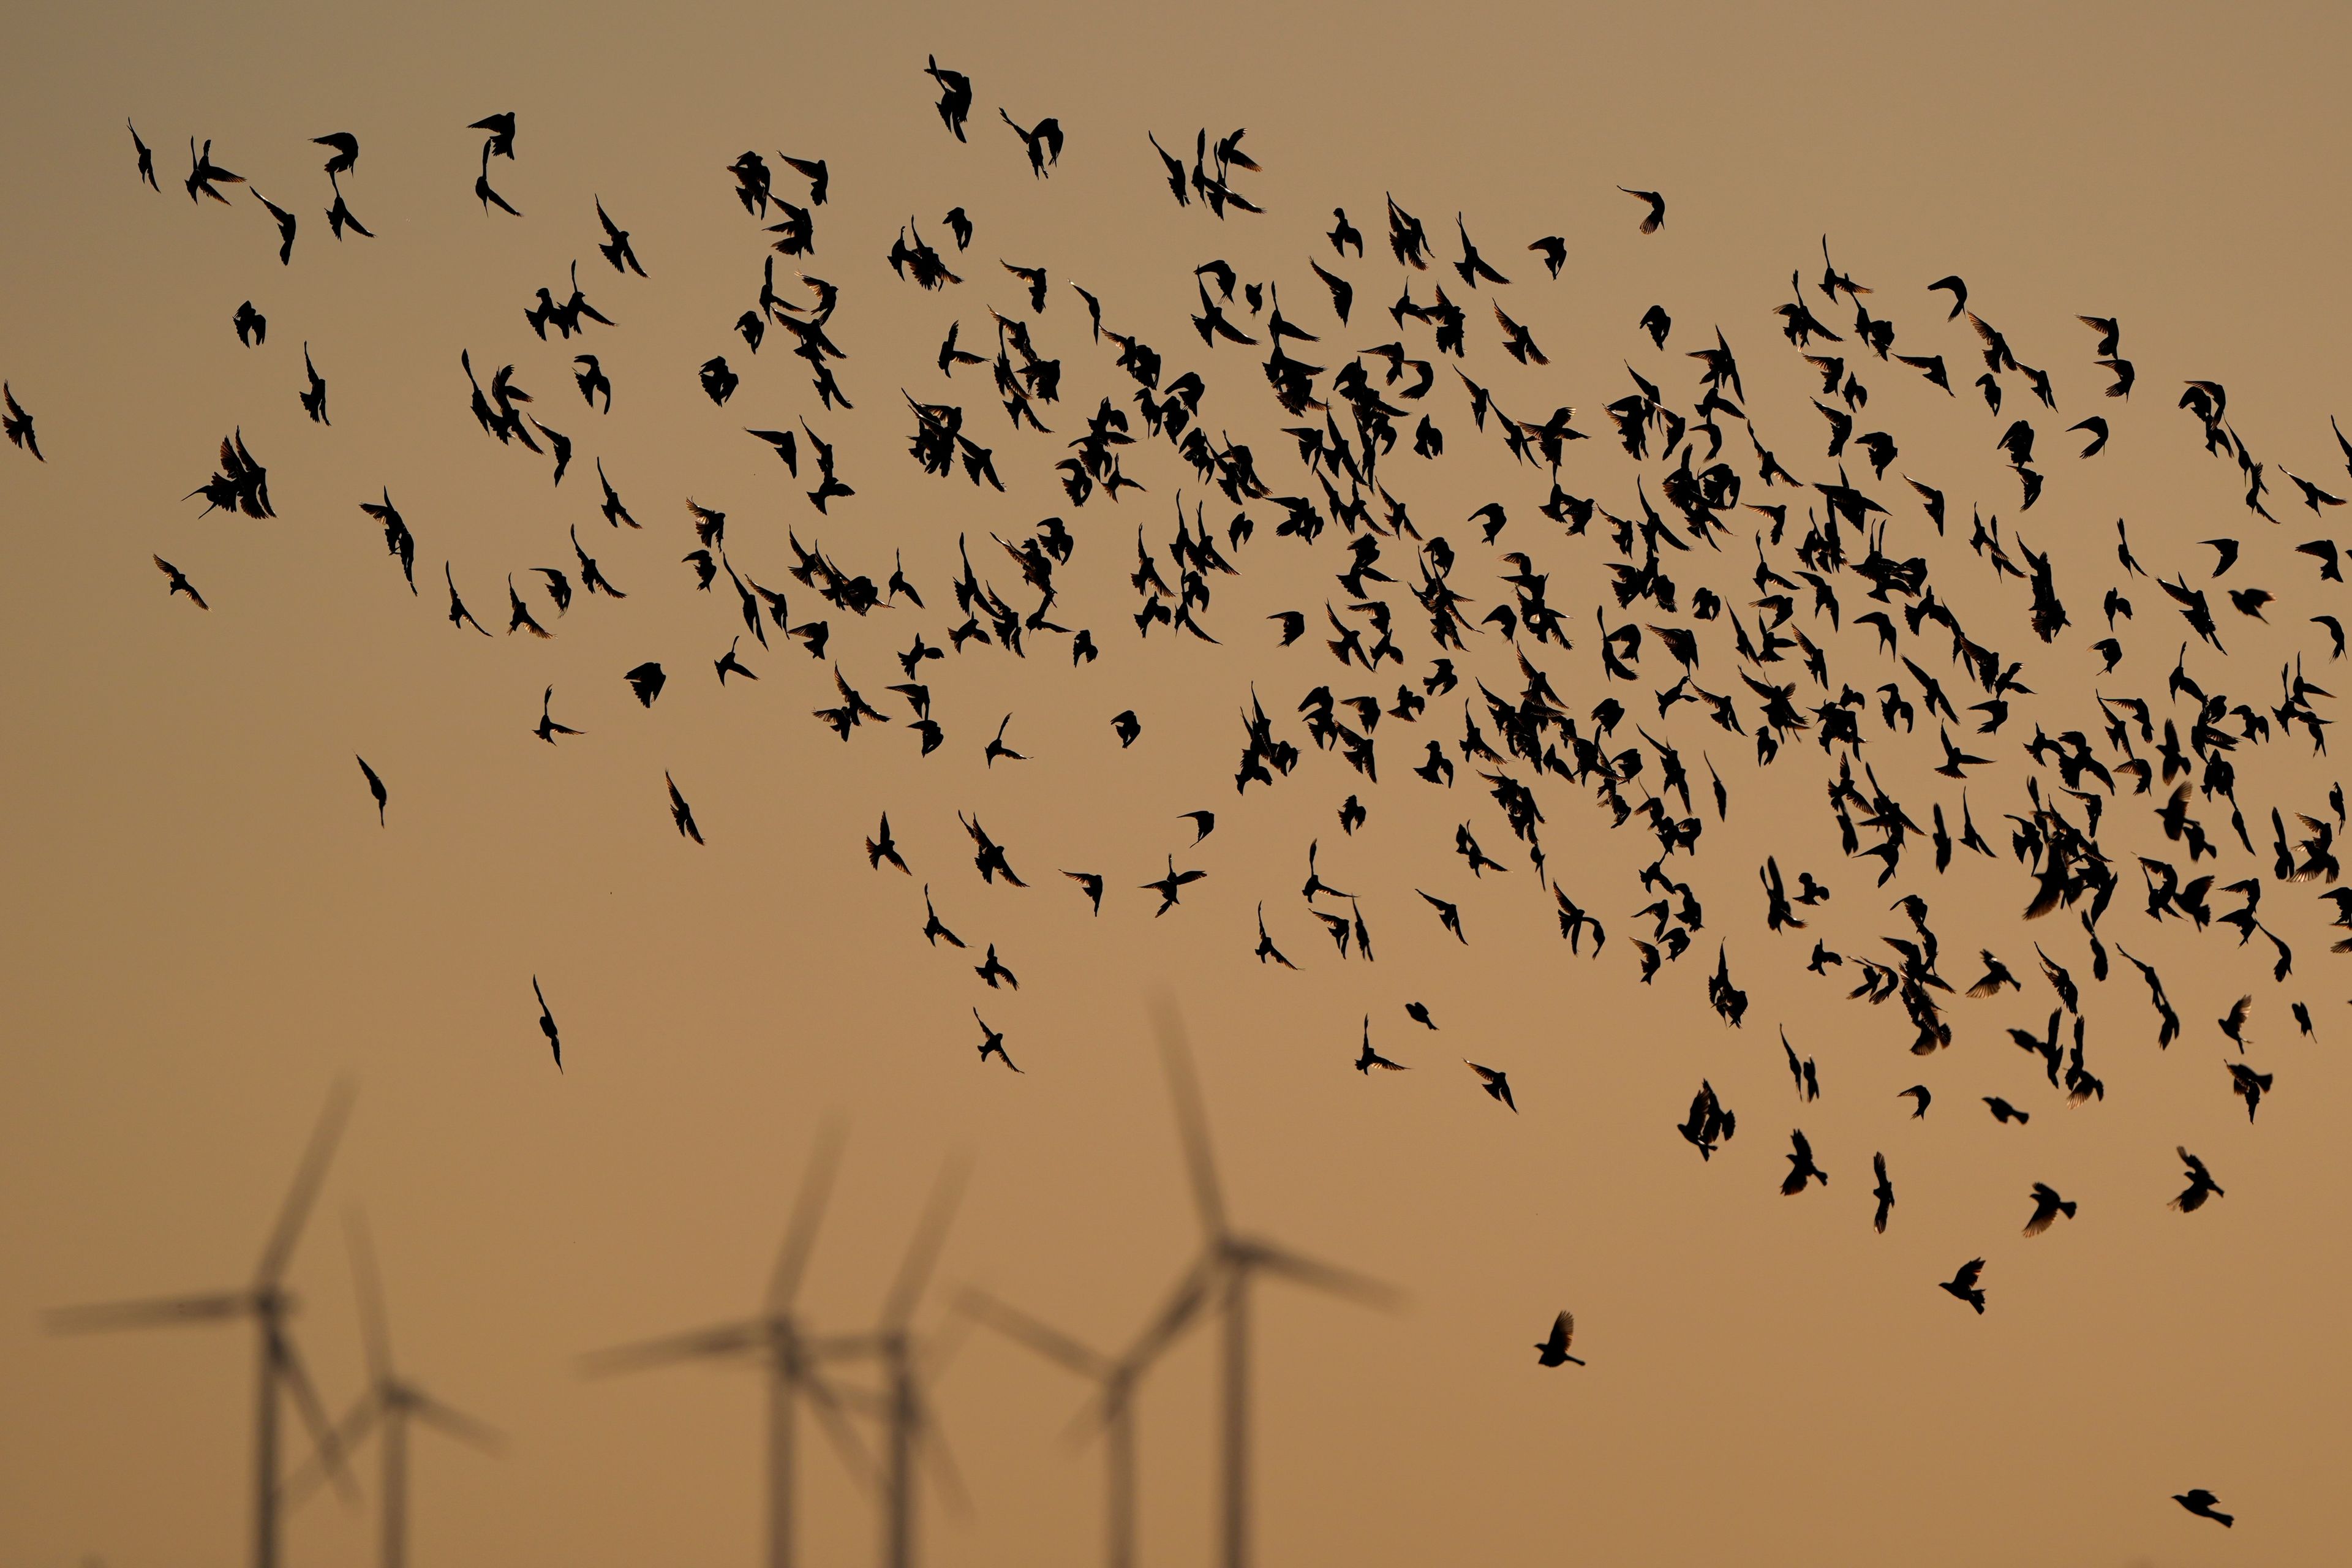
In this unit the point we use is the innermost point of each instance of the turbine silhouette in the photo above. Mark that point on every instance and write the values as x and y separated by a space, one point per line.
905 1412
270 1305
776 1335
1228 1264
389 1403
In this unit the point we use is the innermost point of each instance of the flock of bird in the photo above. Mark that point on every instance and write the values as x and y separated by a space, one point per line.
1750 658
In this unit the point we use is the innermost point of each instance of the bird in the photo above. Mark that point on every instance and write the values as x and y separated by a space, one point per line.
1043 141
997 748
547 728
180 583
1497 1084
616 249
1370 1059
993 970
1657 212
18 425
1884 1193
1919 1096
547 1025
313 398
2004 1112
2248 1084
884 847
1962 1286
2047 1207
935 929
646 680
286 226
1091 883
2201 1185
2199 1502
1802 1168
1203 823
681 813
1126 727
1168 887
375 788
1553 1350
991 1042
955 95
146 159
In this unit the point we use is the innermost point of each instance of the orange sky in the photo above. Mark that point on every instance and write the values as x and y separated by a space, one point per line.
210 927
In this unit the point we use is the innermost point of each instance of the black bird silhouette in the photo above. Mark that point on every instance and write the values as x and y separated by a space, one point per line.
2199 1502
616 249
1884 1193
1168 887
459 614
180 583
681 813
1920 1099
375 788
884 847
2248 1084
1553 1350
482 191
547 1025
1370 1059
2201 1185
2004 1112
1802 1168
252 326
18 425
1091 883
1962 1285
146 159
501 140
547 728
1126 727
934 929
2047 1207
1043 141
955 95
1497 1084
286 226
314 397
1657 212
202 172
992 1040
993 970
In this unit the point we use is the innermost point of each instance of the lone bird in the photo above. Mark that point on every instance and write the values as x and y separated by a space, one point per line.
2201 1185
1884 1192
2199 1502
1657 212
375 788
2047 1207
1553 1350
180 583
1963 1285
1498 1085
1371 1058
681 813
991 1042
547 1024
1802 1168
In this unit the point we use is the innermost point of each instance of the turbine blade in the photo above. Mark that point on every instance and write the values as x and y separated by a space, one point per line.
459 1425
374 1333
314 1416
923 1250
1049 1343
353 1429
808 1210
210 1309
1328 1277
933 1448
307 1177
1192 1117
730 1338
843 1436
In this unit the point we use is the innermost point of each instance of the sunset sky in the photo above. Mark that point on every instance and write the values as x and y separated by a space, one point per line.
208 928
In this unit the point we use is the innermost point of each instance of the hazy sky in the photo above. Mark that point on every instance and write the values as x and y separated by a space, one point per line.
208 927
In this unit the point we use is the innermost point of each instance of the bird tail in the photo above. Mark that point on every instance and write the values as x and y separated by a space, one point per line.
2068 1208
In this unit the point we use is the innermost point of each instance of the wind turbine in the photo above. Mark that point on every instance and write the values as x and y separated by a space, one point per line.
905 1413
776 1334
269 1304
1115 1409
1228 1263
389 1403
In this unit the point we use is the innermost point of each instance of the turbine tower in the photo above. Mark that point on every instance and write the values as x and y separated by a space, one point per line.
270 1306
1228 1264
388 1404
776 1335
905 1413
1113 1411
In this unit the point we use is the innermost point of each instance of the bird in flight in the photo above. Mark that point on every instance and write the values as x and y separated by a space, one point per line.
18 425
1553 1350
992 1041
180 583
2200 1502
1497 1084
375 788
2047 1207
1370 1059
1884 1193
1962 1286
1657 212
547 1025
681 813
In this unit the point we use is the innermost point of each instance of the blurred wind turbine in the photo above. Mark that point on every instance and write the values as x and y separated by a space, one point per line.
1227 1264
270 1305
1114 1411
905 1412
389 1402
777 1335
